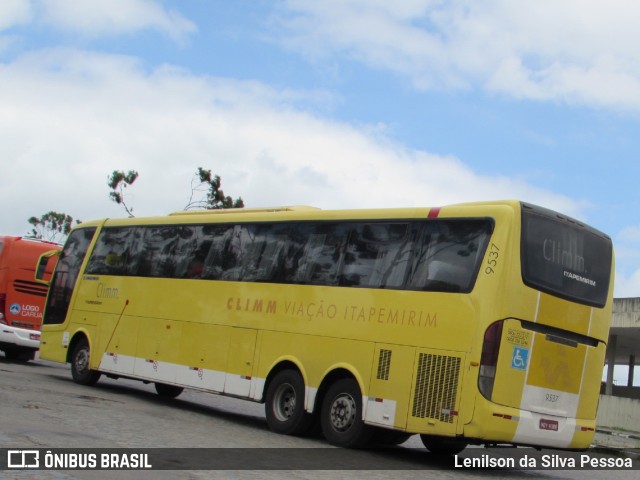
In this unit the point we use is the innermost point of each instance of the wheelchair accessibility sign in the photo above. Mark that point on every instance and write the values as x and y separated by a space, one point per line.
520 358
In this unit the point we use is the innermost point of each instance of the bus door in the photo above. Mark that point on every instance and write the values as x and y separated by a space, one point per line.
435 392
61 292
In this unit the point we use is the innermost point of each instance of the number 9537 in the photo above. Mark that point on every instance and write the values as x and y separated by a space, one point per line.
492 259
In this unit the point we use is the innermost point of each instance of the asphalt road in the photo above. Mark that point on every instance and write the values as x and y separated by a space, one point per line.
41 407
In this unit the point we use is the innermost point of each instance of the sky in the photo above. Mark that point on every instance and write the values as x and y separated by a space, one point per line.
336 104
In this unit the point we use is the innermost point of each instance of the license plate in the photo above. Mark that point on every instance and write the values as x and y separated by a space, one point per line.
548 424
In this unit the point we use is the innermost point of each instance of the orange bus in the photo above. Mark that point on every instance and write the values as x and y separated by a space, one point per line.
21 297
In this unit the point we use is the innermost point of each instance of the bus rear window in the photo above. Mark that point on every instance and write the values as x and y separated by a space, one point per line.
565 258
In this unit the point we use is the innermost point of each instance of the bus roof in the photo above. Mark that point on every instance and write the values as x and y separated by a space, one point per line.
301 213
22 250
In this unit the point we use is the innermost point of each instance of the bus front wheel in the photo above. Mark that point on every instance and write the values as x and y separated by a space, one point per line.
284 406
80 370
341 415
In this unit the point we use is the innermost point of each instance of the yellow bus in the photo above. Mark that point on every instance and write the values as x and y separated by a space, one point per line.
478 323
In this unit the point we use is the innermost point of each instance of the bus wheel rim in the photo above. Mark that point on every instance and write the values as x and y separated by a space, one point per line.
343 412
82 360
285 401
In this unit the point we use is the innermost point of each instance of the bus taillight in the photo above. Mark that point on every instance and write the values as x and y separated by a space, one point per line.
489 359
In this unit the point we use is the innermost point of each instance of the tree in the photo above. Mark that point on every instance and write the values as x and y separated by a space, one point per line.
205 181
52 226
55 226
117 182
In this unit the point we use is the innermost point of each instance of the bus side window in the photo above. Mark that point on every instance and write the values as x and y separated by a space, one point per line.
322 255
377 255
449 255
216 260
117 251
157 258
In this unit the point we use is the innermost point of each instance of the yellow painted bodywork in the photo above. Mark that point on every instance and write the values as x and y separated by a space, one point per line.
246 329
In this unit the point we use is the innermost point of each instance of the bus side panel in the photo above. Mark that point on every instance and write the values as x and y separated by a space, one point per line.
54 346
435 397
317 356
242 345
117 348
157 350
390 385
204 350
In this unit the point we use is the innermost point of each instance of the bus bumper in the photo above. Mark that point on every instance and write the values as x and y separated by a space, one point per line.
20 337
500 424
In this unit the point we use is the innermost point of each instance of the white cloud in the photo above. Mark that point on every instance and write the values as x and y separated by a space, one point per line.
627 285
577 51
68 118
96 18
14 12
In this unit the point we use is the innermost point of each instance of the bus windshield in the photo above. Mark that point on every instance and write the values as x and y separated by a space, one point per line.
565 258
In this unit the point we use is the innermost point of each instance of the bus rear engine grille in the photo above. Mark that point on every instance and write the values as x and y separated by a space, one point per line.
31 288
436 387
384 363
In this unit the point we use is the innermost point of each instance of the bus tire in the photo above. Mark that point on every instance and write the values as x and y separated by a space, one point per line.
19 354
284 405
341 415
168 391
80 370
386 437
443 445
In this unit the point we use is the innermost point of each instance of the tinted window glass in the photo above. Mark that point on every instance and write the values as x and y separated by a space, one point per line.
377 255
170 252
437 255
564 258
117 252
448 255
322 254
65 275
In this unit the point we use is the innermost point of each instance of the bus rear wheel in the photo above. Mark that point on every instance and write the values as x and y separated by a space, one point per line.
80 370
442 445
168 391
385 437
284 406
341 415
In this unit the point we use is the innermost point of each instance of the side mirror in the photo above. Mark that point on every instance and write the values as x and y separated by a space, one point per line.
41 267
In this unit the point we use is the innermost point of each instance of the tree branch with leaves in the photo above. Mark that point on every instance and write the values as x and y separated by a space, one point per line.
204 182
52 226
117 182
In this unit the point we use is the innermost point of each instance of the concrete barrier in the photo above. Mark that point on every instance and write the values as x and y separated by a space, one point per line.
619 413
